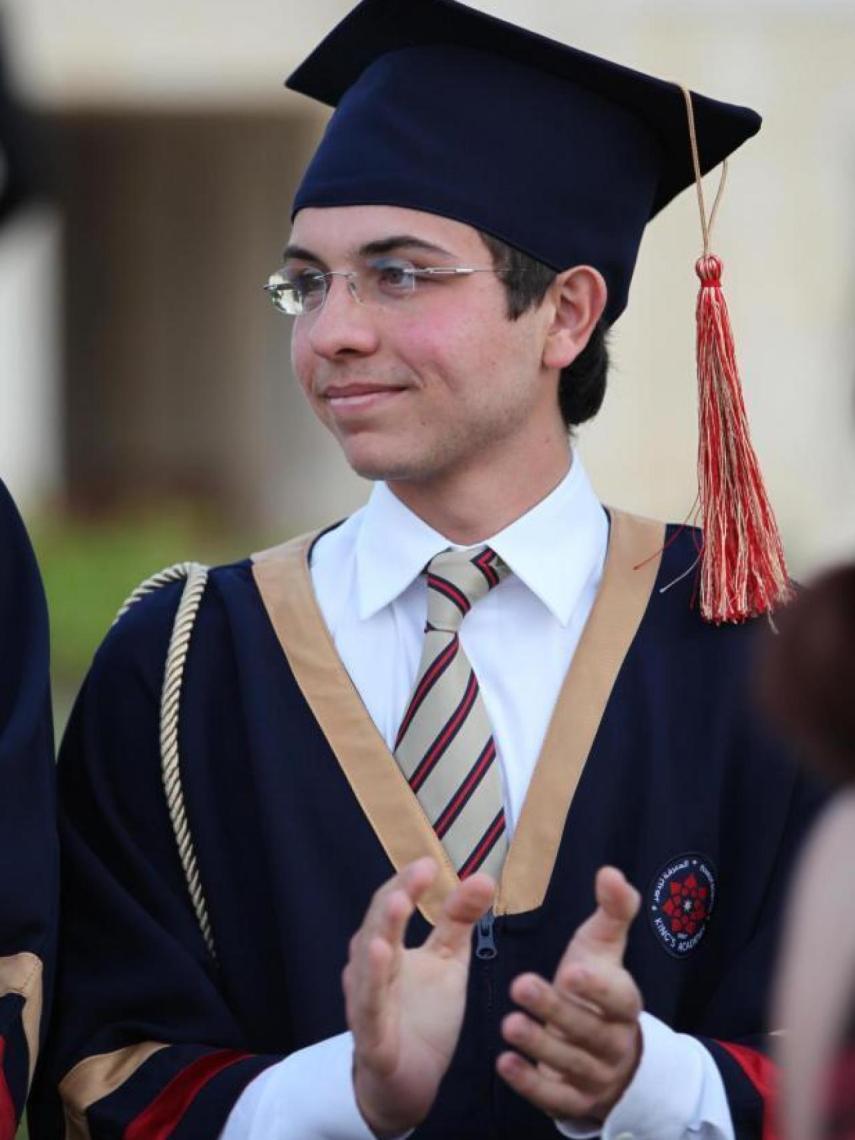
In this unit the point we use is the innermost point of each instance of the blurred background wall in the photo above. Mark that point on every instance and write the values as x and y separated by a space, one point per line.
142 369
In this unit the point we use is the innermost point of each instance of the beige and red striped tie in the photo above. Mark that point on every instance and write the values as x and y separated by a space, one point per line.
445 744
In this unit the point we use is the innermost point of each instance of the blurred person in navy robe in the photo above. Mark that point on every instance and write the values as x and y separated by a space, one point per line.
28 857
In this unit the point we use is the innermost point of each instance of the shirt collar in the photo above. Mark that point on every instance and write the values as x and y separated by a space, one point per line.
555 548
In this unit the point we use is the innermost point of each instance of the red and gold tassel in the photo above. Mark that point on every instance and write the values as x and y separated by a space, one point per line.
743 572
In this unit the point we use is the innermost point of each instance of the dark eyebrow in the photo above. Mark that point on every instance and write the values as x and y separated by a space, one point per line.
370 249
300 254
399 241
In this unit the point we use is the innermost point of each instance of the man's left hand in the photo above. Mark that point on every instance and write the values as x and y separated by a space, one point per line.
580 1031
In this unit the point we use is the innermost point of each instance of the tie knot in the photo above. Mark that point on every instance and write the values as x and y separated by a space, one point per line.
457 579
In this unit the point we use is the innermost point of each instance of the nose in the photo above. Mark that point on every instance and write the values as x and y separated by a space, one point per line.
343 325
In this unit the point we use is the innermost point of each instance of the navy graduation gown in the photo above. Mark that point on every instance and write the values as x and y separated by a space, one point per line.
28 871
654 762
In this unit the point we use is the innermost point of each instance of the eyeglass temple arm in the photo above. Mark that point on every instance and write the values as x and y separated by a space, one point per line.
457 271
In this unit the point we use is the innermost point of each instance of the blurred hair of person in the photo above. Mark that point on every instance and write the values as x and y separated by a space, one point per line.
809 683
18 171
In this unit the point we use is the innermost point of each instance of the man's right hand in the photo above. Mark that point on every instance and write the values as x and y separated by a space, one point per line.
405 1007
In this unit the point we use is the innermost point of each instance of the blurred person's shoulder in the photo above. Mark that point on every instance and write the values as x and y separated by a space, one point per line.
14 541
23 611
8 510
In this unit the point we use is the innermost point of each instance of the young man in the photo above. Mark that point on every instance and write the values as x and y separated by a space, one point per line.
28 885
471 706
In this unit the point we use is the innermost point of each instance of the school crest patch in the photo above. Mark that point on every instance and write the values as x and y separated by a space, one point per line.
680 902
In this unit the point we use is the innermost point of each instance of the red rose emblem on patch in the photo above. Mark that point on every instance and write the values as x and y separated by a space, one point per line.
680 901
687 905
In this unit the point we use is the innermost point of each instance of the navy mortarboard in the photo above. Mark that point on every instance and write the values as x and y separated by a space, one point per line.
565 156
561 154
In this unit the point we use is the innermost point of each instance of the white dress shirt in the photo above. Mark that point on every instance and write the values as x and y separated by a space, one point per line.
520 640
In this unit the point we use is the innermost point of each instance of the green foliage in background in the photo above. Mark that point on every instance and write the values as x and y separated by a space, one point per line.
89 567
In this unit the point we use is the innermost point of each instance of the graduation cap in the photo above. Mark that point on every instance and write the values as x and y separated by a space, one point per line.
560 154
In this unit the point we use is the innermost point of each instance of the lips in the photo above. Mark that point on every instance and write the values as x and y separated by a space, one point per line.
347 391
373 401
346 401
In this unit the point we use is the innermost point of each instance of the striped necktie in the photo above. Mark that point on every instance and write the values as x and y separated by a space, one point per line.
445 744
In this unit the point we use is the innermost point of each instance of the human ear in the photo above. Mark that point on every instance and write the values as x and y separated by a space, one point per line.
578 297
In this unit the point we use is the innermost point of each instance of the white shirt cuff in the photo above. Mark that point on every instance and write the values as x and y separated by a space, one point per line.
676 1094
307 1095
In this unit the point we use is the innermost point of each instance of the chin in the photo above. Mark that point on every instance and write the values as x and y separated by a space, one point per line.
379 465
386 472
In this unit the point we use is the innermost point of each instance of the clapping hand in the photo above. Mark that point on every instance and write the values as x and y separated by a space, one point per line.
405 1007
578 1037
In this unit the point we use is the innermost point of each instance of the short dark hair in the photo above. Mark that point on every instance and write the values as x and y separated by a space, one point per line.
583 383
